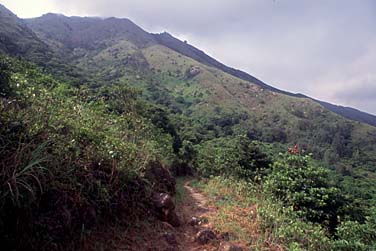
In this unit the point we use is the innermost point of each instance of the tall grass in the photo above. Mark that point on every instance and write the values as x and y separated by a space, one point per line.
22 172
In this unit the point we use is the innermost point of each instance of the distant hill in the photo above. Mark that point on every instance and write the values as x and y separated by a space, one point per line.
350 113
34 38
192 52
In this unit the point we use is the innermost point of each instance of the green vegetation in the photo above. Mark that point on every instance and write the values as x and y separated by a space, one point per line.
250 214
300 205
70 158
81 131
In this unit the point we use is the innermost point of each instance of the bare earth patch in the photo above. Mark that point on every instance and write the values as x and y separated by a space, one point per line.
195 213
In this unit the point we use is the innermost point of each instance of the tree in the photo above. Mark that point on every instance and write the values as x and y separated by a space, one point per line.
252 160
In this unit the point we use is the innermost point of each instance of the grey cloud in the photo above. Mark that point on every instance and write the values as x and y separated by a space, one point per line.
363 92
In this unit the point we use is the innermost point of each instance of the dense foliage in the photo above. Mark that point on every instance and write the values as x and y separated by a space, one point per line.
267 223
307 188
70 157
302 194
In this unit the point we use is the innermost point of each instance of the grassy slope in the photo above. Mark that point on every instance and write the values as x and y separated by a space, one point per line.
249 215
299 119
265 107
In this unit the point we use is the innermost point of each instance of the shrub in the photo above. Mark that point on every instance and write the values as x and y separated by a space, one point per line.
307 188
356 236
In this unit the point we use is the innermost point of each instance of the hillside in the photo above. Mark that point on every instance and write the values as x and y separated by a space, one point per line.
63 33
49 24
200 56
16 38
186 81
96 125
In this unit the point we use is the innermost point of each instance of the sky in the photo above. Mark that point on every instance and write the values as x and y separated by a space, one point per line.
325 49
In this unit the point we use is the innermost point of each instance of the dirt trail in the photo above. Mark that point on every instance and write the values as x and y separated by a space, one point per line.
198 198
194 205
160 236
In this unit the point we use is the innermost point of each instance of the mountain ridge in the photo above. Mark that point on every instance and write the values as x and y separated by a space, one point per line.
16 38
116 50
186 49
73 29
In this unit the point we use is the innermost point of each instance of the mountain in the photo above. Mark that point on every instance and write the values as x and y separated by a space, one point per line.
88 33
188 50
191 85
64 33
192 52
96 120
194 88
16 38
350 113
94 33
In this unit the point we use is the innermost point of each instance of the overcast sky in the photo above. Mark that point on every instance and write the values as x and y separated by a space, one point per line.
323 48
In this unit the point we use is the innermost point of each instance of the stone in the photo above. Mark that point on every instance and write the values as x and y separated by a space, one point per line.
193 71
173 219
170 238
165 206
194 221
163 201
225 236
161 177
228 246
205 236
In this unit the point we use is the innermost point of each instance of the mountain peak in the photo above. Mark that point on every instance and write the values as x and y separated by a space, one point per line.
51 14
2 7
16 38
89 32
5 12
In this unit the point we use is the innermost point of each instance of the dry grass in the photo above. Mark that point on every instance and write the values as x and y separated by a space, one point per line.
237 216
248 215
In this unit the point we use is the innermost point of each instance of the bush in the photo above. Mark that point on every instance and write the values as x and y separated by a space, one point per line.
355 236
235 156
307 188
